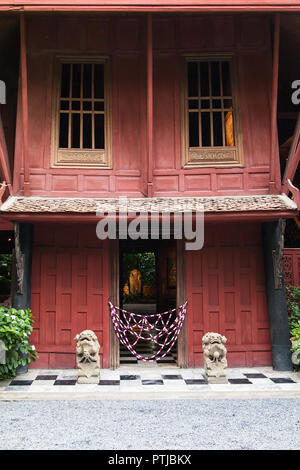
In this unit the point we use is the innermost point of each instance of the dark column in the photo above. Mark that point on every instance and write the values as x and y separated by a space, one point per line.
21 271
273 242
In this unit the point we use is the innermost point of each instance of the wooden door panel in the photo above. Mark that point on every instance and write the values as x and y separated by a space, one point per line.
226 294
70 292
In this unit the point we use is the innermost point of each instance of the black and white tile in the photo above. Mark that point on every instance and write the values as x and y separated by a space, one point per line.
152 377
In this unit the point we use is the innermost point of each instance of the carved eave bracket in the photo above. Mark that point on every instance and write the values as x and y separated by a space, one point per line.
278 257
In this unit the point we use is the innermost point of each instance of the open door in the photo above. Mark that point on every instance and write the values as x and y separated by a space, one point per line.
145 279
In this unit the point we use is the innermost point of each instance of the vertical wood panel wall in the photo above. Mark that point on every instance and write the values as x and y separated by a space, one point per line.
226 292
291 266
70 290
124 40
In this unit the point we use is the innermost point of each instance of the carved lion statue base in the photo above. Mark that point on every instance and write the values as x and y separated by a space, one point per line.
214 353
87 357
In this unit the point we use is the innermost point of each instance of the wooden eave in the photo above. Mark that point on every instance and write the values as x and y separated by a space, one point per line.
210 218
216 209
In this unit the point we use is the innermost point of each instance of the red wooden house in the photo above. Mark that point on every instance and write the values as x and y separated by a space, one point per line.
155 101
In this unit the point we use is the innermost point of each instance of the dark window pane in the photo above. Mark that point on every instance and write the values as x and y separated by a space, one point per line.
64 105
193 129
75 131
65 80
99 81
193 104
87 81
87 105
99 131
215 79
216 127
226 79
204 79
99 105
218 138
192 78
228 104
205 104
87 131
76 81
63 130
76 105
205 127
216 103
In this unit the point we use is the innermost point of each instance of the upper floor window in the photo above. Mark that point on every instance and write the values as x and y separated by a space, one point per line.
81 121
210 129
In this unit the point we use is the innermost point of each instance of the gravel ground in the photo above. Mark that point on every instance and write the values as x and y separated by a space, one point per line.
139 425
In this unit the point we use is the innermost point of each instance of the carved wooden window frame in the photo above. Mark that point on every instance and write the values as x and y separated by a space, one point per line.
213 156
81 157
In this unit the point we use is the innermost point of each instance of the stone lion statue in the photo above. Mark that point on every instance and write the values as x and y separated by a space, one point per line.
214 353
87 357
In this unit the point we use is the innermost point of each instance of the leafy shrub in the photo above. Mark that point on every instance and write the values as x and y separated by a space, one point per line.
5 273
15 329
295 339
293 304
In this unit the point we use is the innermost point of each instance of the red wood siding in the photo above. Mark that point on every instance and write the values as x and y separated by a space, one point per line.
123 39
69 292
291 266
226 293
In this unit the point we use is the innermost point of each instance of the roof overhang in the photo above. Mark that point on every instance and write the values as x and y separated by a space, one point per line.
217 209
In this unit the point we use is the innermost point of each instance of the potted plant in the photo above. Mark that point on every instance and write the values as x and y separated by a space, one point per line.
15 330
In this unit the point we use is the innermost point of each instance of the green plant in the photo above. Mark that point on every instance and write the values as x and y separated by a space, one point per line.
296 336
295 339
5 273
293 305
15 329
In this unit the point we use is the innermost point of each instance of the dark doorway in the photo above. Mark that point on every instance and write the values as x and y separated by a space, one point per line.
148 285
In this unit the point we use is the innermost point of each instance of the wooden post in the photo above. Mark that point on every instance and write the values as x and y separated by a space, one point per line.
114 345
182 343
4 160
279 329
274 162
24 91
21 271
149 105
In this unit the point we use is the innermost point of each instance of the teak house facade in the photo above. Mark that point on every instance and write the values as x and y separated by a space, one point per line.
162 104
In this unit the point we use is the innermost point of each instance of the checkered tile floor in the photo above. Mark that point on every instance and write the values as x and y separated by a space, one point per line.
152 376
